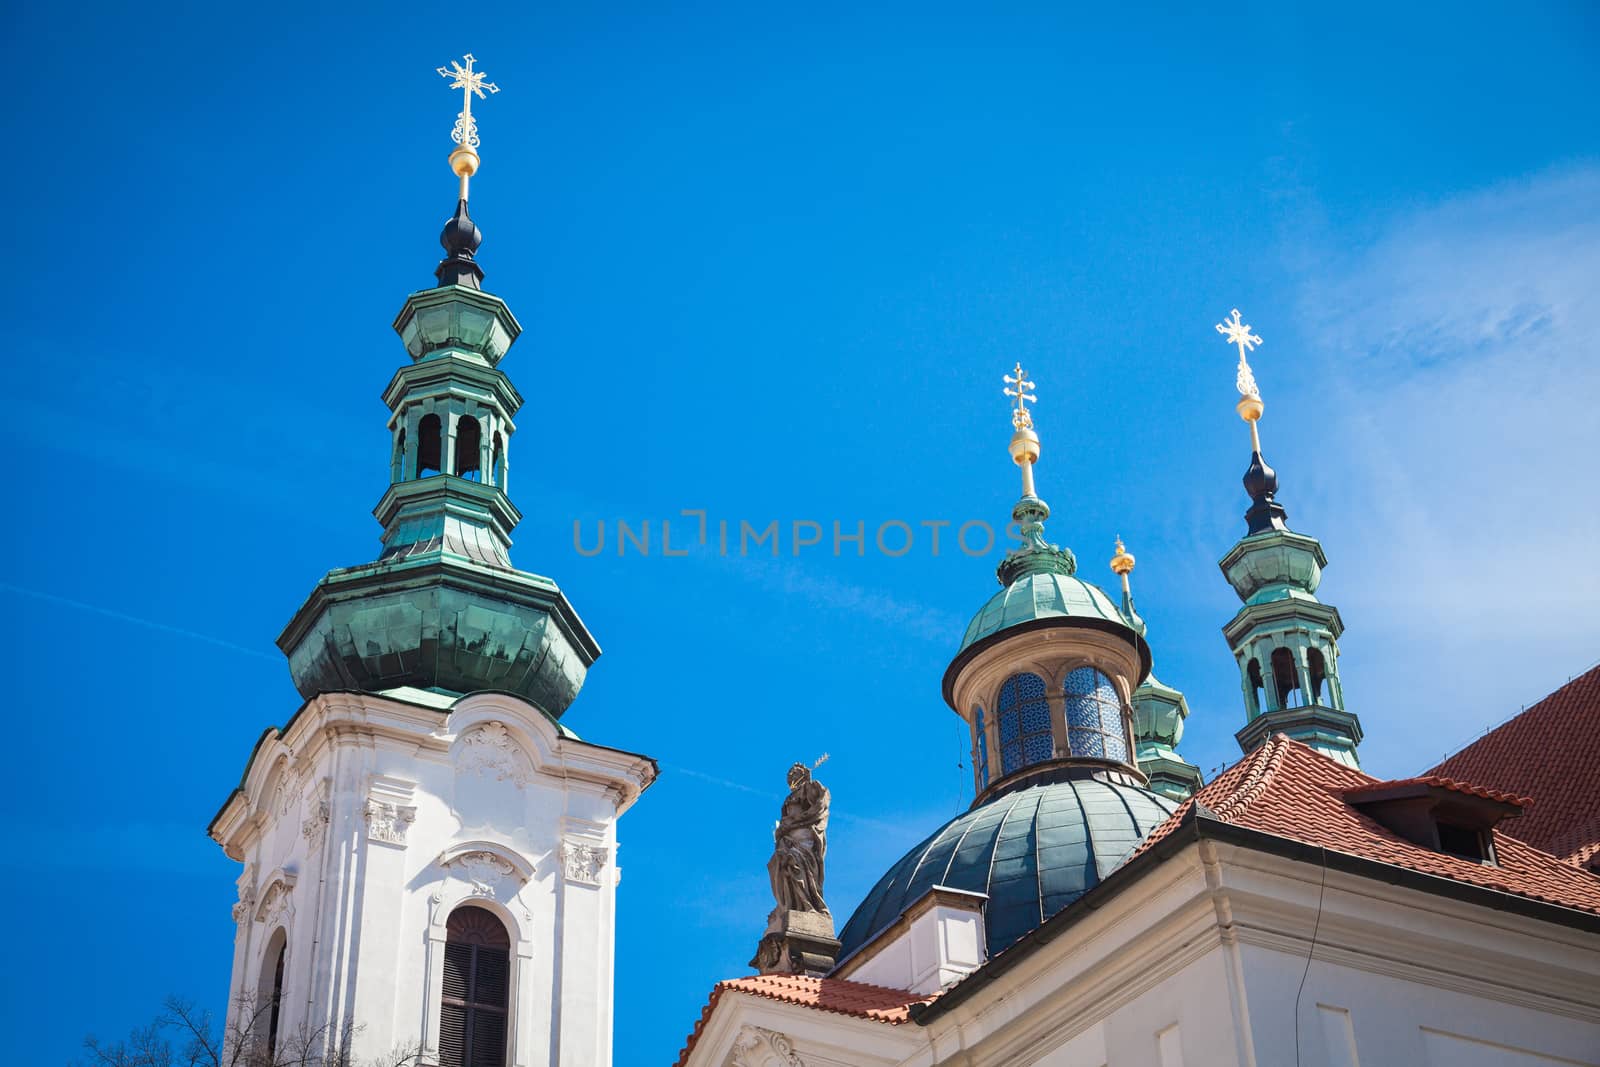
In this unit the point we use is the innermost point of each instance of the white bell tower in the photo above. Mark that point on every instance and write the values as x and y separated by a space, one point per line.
429 854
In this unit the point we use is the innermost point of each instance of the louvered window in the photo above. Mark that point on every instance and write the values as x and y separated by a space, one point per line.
477 990
277 1002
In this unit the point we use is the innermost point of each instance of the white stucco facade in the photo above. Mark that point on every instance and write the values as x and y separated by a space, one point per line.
1208 959
371 818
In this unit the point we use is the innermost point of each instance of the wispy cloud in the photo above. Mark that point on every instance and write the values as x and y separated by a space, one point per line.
1461 356
135 620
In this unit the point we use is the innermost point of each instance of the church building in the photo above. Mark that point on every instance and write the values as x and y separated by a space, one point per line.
429 853
1096 907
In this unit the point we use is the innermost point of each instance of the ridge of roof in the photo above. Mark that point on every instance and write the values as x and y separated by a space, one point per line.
837 995
1440 782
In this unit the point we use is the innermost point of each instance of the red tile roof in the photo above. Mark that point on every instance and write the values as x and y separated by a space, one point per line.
1550 752
857 999
1285 789
1438 782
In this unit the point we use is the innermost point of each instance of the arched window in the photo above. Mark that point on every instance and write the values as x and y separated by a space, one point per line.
1285 677
428 449
398 466
1094 716
1319 674
469 449
981 751
269 993
499 461
1024 723
477 990
1256 685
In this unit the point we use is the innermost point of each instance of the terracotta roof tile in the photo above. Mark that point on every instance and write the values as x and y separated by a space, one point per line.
1551 752
857 999
1286 789
1438 782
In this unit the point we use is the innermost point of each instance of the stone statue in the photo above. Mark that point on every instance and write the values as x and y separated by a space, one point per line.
800 844
799 937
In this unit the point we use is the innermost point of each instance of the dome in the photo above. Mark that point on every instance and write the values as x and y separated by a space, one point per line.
1033 851
1043 595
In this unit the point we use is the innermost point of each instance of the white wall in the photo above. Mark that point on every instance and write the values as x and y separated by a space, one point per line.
386 815
1200 962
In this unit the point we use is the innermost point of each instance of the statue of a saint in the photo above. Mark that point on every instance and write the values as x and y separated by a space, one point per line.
800 845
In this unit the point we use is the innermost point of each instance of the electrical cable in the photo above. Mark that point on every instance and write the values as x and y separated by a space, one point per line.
1315 926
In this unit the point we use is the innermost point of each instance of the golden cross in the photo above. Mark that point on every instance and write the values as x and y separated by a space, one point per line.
1021 417
469 81
1238 333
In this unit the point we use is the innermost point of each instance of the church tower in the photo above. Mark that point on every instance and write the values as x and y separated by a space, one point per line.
429 852
1158 710
1044 677
1284 639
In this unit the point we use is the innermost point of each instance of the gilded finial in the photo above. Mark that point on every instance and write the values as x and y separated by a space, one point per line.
464 160
1024 442
1019 387
1250 406
1122 562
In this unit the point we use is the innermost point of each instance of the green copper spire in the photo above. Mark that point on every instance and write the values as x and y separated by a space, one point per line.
442 608
1158 710
1284 639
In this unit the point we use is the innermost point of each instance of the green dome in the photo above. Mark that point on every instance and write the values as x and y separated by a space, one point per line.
1045 595
1032 850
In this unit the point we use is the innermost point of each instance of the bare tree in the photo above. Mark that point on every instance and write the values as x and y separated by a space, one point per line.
184 1035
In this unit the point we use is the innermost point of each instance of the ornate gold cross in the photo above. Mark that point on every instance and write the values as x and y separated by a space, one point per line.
1021 418
1238 333
469 81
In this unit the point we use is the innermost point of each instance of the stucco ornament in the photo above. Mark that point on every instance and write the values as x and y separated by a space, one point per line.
274 904
583 861
483 871
315 826
756 1046
245 904
387 822
489 750
800 844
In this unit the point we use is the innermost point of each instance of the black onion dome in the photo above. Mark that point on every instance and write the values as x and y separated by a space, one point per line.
1033 851
461 239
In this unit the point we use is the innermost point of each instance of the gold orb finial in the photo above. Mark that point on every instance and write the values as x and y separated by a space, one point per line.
1250 407
1122 562
464 159
1024 441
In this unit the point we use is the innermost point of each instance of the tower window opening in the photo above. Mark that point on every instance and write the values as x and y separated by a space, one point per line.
1286 678
398 465
1256 684
1025 735
499 461
469 448
1319 674
980 751
268 1005
428 446
1094 716
477 990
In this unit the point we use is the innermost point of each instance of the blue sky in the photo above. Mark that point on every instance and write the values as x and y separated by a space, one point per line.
769 264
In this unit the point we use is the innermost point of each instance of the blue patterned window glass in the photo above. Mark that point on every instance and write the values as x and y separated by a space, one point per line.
983 749
1025 735
1094 716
